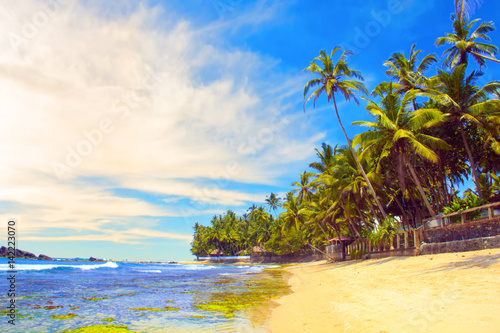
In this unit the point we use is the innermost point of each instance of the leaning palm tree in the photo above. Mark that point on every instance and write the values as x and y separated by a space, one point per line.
466 105
338 78
465 44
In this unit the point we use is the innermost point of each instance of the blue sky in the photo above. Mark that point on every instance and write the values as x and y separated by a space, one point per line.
123 124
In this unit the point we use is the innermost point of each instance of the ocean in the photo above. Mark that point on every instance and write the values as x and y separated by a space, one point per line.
58 296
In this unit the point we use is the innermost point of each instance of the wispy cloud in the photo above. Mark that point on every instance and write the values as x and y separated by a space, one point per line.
146 106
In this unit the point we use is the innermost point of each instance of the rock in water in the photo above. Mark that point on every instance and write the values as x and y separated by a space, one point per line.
44 257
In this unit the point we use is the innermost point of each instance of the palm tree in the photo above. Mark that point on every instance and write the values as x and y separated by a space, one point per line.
465 43
337 78
395 136
273 202
466 105
408 73
325 158
304 187
345 186
463 9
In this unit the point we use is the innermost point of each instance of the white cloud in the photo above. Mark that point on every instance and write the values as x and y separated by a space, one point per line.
147 108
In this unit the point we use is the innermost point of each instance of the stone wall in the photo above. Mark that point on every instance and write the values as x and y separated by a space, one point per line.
391 253
461 245
469 230
285 259
222 260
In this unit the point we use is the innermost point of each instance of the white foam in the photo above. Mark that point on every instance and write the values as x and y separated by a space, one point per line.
28 267
109 264
37 267
199 267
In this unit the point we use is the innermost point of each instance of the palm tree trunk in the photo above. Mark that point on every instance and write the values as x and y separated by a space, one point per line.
361 216
337 230
472 163
357 162
372 208
307 243
403 213
419 186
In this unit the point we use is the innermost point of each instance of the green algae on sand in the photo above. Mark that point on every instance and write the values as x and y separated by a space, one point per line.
100 328
268 285
167 308
66 316
94 299
108 319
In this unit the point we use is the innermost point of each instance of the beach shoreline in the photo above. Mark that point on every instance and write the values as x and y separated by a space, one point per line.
449 292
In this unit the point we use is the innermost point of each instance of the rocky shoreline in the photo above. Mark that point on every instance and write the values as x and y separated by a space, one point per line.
20 254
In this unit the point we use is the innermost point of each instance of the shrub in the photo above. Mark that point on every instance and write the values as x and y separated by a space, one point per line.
357 254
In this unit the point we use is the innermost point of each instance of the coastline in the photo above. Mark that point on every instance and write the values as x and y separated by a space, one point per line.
449 292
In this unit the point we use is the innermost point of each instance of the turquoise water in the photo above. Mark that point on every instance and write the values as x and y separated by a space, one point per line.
95 291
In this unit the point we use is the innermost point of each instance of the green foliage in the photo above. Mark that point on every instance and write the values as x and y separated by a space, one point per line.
357 254
469 201
382 234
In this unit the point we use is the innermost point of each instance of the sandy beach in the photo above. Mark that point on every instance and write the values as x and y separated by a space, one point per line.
451 292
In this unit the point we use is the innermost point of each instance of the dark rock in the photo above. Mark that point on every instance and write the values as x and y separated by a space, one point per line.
20 254
92 259
25 254
44 257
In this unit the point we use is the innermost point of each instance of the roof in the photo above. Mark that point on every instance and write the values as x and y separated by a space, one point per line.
343 238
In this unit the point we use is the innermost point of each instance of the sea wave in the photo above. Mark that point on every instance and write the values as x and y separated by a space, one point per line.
41 267
244 270
198 267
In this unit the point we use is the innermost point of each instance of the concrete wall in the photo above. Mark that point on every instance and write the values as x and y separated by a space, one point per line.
469 230
461 245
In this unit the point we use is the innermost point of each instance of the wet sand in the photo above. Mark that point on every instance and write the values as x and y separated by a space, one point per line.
450 292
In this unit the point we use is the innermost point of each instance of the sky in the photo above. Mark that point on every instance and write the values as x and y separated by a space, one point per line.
122 124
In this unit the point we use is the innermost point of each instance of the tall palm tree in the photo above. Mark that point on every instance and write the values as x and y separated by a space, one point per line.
395 136
465 44
338 78
466 105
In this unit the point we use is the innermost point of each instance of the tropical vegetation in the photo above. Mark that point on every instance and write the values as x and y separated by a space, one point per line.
427 136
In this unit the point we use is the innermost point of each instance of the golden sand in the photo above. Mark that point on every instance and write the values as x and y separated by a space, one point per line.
450 292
